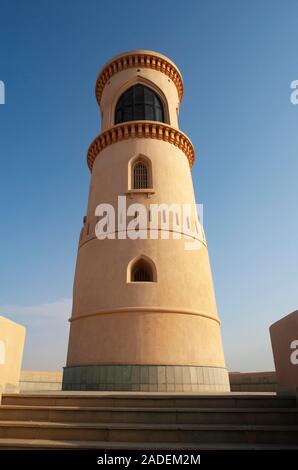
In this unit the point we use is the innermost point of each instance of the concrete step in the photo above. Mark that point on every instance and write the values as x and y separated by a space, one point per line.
149 415
40 444
163 433
157 400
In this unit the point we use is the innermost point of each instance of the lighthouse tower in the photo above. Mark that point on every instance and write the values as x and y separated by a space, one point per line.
144 313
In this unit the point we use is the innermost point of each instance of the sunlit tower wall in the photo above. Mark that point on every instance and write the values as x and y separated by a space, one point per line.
144 313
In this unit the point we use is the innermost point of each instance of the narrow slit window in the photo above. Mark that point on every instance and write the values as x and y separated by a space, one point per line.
140 176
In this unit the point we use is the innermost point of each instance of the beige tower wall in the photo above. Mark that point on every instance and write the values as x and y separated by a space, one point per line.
162 335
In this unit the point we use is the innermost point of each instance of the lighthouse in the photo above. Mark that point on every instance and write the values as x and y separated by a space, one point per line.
144 314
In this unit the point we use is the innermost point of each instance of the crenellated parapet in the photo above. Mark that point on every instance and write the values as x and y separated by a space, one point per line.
142 59
141 129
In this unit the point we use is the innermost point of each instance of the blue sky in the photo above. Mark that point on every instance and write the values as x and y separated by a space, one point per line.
238 59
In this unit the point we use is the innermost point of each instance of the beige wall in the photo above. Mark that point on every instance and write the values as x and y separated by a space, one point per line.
12 337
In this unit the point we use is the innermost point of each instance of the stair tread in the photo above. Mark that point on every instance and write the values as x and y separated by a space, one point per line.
151 410
208 415
67 444
125 394
141 426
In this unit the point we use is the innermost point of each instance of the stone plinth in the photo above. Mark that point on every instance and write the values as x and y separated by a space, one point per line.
284 339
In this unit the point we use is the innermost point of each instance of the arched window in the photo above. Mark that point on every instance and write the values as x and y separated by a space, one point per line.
141 270
139 103
140 175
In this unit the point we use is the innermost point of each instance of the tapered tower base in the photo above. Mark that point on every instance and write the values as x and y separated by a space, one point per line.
146 378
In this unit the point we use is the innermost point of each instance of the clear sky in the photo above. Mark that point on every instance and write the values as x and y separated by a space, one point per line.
238 59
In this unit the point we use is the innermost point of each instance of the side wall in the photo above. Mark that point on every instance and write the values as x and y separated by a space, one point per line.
12 338
253 381
35 381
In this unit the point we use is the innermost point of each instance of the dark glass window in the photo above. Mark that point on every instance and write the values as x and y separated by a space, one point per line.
139 103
